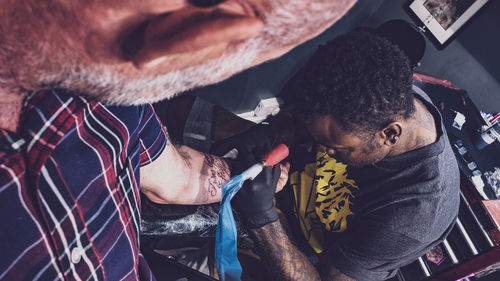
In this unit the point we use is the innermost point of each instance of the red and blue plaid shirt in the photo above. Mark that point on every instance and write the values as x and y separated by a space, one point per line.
69 189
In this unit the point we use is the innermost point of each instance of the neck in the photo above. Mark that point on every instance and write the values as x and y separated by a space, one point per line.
10 111
423 127
420 131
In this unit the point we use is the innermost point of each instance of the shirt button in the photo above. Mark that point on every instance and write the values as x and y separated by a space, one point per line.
76 255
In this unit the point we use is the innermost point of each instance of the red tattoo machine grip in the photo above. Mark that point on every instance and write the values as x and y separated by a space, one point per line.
275 156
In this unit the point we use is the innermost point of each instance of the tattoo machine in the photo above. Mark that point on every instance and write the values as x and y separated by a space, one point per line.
226 259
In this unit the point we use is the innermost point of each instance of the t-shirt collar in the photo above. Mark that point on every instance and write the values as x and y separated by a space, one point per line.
422 153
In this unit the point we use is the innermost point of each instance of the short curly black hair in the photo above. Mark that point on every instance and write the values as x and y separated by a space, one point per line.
360 79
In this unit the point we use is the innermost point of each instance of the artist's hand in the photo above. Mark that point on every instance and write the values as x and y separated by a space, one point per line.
255 199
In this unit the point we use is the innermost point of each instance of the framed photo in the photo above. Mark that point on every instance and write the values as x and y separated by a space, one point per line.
444 18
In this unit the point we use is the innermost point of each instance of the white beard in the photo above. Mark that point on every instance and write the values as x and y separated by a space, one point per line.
104 84
286 23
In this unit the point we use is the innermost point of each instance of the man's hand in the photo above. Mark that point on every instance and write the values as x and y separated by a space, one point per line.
255 199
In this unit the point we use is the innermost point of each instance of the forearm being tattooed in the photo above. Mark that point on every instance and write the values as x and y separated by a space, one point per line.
214 173
285 261
182 175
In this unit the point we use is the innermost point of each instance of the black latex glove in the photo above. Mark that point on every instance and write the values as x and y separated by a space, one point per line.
254 201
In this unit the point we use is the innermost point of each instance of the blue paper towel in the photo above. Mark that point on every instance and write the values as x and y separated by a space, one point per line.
228 266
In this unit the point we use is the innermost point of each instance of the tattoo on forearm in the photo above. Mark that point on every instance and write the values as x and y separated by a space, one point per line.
215 172
284 261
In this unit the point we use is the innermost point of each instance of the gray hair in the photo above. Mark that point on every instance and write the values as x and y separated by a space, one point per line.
285 23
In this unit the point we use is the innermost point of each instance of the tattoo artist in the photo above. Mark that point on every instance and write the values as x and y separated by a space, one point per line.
361 200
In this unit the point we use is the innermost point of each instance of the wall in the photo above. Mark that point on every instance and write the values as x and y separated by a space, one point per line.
471 61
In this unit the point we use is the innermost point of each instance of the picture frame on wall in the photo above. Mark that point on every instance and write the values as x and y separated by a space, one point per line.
444 18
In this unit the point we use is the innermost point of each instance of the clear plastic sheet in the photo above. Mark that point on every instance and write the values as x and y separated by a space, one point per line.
200 223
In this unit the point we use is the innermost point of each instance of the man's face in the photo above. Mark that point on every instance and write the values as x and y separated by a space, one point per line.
346 147
134 52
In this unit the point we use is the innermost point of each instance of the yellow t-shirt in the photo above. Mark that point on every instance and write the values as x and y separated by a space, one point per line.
323 196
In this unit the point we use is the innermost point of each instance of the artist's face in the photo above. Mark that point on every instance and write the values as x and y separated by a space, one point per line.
133 52
344 146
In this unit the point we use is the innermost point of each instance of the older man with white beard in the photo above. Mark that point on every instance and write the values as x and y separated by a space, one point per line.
78 137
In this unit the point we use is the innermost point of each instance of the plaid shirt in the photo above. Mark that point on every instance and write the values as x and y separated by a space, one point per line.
69 189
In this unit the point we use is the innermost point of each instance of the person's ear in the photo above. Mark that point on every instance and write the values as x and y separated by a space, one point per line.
390 134
192 29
